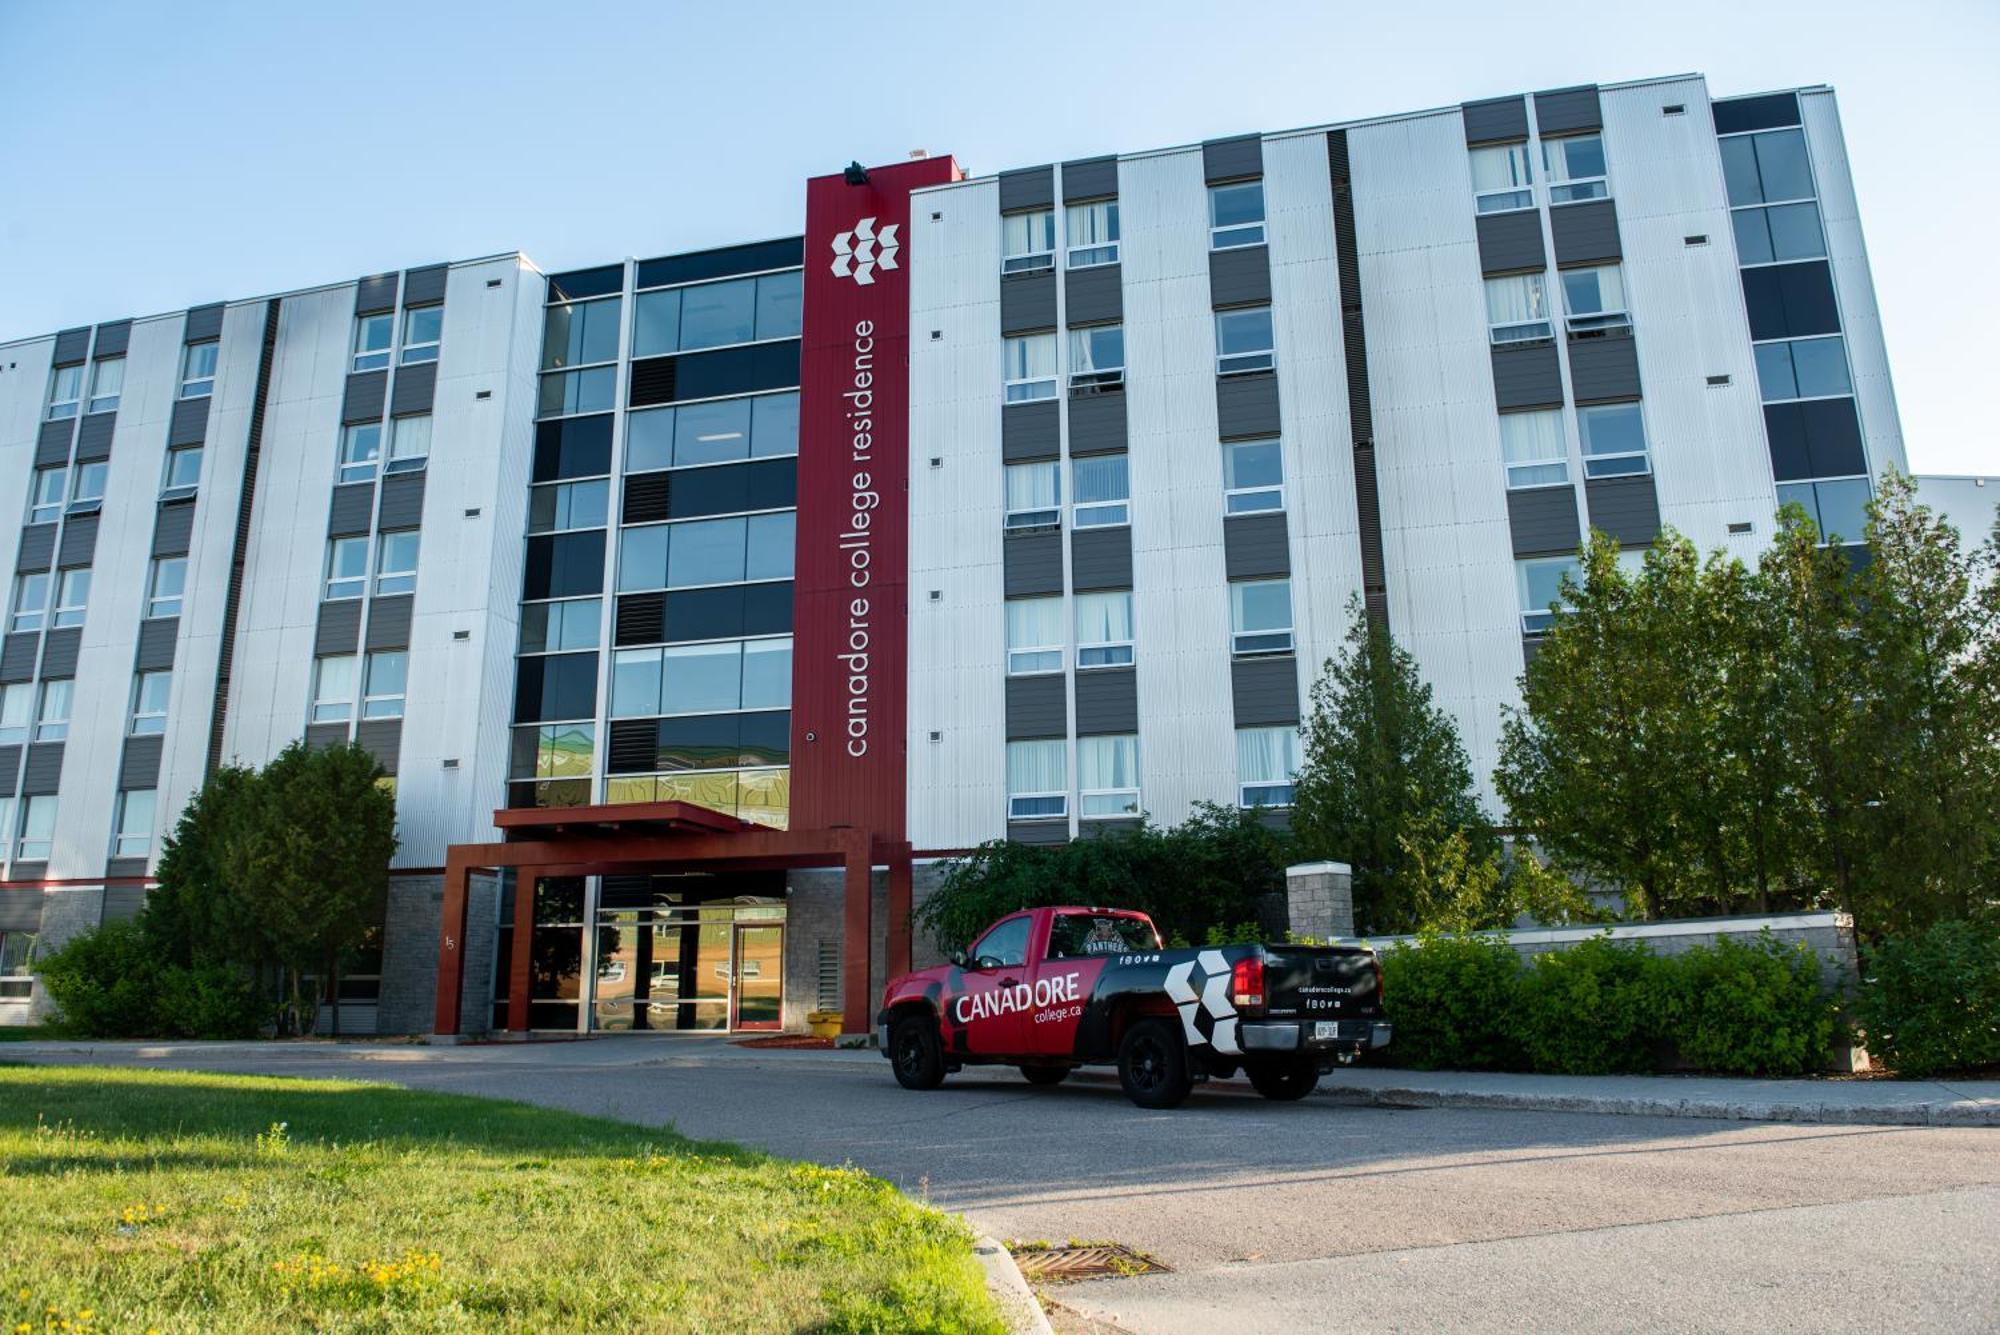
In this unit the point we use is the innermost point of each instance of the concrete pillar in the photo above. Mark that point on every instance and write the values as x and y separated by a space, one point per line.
1319 899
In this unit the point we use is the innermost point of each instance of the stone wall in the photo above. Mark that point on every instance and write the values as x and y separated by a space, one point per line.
814 902
66 912
410 924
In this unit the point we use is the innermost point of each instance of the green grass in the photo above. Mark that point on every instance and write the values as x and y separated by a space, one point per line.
171 1201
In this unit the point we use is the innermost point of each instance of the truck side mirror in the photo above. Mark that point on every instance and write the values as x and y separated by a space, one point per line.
958 958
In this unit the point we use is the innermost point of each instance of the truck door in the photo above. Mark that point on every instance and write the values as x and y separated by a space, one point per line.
1079 947
986 1015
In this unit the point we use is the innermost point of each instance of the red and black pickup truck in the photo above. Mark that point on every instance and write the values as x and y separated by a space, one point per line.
1052 989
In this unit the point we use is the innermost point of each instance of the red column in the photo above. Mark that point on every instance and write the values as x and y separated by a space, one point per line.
899 910
451 946
856 938
517 966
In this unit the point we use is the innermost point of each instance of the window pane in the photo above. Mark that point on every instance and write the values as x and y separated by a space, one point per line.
1593 291
702 678
1611 429
707 433
388 674
635 683
1843 509
412 439
1261 605
1782 166
1234 205
718 313
1032 487
774 425
1739 170
1574 159
767 674
770 546
1098 349
1541 581
1243 331
1107 762
578 335
649 440
642 558
1034 623
656 323
708 551
1102 477
135 814
1037 767
1774 372
778 303
1028 233
1032 357
1753 236
1252 463
1516 300
1531 437
1266 755
1820 365
1502 167
1104 618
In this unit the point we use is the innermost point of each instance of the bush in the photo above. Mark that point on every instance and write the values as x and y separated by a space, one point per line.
210 1002
1452 1000
1749 1009
107 982
1931 1002
1593 1009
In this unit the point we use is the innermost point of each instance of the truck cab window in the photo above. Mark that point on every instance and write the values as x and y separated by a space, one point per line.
1081 935
1006 944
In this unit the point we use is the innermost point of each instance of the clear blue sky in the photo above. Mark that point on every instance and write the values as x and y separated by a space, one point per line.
157 155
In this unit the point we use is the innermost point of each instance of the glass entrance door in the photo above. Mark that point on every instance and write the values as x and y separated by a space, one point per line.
757 989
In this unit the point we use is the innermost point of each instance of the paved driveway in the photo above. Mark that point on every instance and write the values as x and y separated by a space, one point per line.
1315 1215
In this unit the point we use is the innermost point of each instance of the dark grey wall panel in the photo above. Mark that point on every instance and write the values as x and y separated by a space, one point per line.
1254 546
1527 377
59 651
17 656
1027 302
1624 508
383 737
1030 431
1246 406
156 642
402 503
1097 423
1037 707
375 294
1239 277
72 345
1603 369
338 630
38 548
1543 521
1585 233
1095 295
389 622
1033 563
1567 111
1495 120
1089 178
189 423
1108 829
20 910
423 286
10 774
139 768
363 399
1264 691
204 322
319 735
124 901
79 542
42 775
1100 558
173 528
1511 242
416 389
113 338
93 437
1107 702
1030 188
1037 832
1232 159
351 511
52 443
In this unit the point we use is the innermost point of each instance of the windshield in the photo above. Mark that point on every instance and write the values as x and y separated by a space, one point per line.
1073 935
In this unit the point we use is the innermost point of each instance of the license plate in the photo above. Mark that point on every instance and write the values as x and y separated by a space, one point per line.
1326 1029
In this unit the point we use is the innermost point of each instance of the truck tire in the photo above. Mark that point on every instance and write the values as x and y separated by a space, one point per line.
1045 1075
1153 1064
1284 1081
914 1054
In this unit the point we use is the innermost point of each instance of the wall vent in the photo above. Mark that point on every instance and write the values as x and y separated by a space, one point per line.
1698 239
451 763
827 992
483 394
461 635
1716 381
1674 109
493 282
1741 526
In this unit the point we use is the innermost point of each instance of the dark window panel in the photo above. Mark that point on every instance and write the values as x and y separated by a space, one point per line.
767 608
564 565
705 614
717 374
765 484
573 447
556 686
1756 113
721 263
1791 300
767 738
701 741
579 283
1817 438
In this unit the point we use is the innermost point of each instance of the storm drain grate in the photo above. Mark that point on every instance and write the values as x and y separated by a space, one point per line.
1097 1260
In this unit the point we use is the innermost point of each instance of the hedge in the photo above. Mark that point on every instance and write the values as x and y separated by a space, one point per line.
1931 1002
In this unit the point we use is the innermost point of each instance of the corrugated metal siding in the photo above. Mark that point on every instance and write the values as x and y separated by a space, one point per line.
1097 423
1264 691
1094 295
72 345
1037 707
123 902
1030 431
1624 508
1602 370
1246 406
156 643
173 528
389 622
1100 558
383 738
1585 233
79 541
1567 110
139 767
362 398
52 443
1256 545
1239 277
1107 702
38 548
416 389
402 503
422 287
338 628
1029 188
321 735
375 294
42 775
1033 563
113 338
1232 159
189 423
204 322
17 656
1543 521
93 437
1511 242
1037 832
59 651
1495 120
351 511
10 772
1027 302
1089 178
1527 378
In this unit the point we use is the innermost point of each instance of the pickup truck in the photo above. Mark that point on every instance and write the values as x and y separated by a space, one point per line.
1051 989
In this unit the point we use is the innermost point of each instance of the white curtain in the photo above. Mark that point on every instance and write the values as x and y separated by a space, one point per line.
1036 767
1032 357
1093 224
1034 486
1515 300
1034 623
1107 762
1266 755
1104 618
1102 477
1501 168
1528 438
1027 233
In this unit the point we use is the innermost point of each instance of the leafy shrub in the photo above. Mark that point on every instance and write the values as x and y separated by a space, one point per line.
1931 1002
1749 1009
107 983
1593 1009
210 1002
1452 1000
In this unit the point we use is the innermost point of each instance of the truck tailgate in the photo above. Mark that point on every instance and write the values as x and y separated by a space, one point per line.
1320 982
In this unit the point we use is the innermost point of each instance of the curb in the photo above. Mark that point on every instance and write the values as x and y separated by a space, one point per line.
1009 1288
1966 1112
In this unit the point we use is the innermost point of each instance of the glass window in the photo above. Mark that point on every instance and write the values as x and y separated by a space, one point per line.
642 557
17 949
372 336
38 828
557 507
1540 585
1034 636
582 333
1575 168
183 468
65 391
656 323
649 440
1532 446
1595 298
169 582
1100 490
1107 776
547 627
1260 616
423 326
705 551
774 425
86 490
1614 439
1804 368
31 601
589 391
72 595
1085 935
1266 760
564 750
1767 168
1096 356
1517 309
1030 371
716 314
1778 233
770 542
346 568
107 382
409 443
767 674
1838 508
1236 215
1034 494
711 433
1037 780
1004 946
396 566
360 451
17 713
1502 178
1093 233
388 678
333 689
1104 629
1253 476
701 678
52 722
45 495
780 297
1244 341
1028 241
133 837
635 683
150 691
198 370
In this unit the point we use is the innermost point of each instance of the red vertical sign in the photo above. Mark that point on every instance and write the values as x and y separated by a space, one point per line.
850 652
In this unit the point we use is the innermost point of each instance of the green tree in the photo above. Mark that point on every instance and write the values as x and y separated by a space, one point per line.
1382 762
195 914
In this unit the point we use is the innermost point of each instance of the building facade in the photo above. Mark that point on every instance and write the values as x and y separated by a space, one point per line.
1006 506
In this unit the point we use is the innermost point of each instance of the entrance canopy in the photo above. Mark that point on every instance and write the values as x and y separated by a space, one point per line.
652 837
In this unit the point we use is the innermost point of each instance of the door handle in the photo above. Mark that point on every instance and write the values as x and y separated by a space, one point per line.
1010 982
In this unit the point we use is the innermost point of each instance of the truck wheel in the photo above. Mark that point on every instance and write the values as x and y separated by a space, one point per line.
913 1052
1045 1075
1153 1064
1284 1081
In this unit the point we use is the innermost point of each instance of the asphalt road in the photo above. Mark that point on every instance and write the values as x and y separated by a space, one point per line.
1311 1216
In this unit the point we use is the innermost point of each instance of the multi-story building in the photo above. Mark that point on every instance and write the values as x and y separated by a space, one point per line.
1007 506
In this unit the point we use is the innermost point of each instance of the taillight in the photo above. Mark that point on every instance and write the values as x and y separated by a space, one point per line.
1246 984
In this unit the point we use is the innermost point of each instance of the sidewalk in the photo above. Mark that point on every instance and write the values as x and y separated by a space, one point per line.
1874 1102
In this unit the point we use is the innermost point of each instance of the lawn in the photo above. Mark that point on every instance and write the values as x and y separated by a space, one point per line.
136 1200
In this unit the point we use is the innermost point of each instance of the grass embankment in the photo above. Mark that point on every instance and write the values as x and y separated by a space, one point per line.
135 1200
